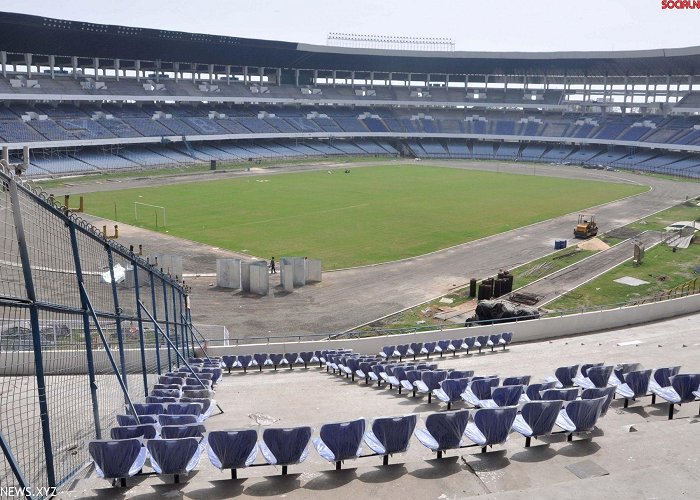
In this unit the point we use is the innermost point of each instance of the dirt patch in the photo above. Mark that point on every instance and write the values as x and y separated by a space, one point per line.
593 244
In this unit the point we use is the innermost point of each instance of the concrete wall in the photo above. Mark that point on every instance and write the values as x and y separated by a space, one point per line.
313 271
228 273
170 264
540 329
299 271
259 278
287 275
72 362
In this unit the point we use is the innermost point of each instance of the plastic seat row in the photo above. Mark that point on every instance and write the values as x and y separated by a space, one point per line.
631 381
259 360
337 442
442 346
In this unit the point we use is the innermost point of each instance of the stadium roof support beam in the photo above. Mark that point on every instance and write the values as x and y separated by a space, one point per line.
137 68
3 62
28 63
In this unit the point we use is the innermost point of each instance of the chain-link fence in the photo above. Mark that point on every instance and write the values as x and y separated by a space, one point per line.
85 327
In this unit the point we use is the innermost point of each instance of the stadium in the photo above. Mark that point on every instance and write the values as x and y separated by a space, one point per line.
149 348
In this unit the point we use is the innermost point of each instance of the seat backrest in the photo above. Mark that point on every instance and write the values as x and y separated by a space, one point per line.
232 448
306 356
400 373
413 375
389 350
182 431
495 338
482 387
495 423
172 455
430 346
378 368
521 380
115 458
508 395
454 387
416 347
291 357
456 343
600 392
470 341
482 339
638 381
662 376
540 416
402 349
460 374
507 336
447 427
533 390
600 375
177 419
568 394
149 408
584 413
229 360
442 344
145 431
433 378
184 409
276 358
566 374
165 379
394 433
166 393
260 358
198 393
587 366
343 438
287 444
684 384
622 369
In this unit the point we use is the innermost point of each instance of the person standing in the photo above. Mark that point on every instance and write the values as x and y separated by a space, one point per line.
273 270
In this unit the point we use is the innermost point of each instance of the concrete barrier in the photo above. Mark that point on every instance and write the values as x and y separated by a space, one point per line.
170 264
523 331
287 274
255 278
228 273
313 271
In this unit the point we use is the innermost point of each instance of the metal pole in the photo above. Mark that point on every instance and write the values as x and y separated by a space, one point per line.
189 346
36 335
7 451
178 345
178 353
86 328
108 351
167 323
118 312
155 316
141 338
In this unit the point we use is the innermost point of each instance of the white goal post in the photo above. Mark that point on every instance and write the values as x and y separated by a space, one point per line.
143 208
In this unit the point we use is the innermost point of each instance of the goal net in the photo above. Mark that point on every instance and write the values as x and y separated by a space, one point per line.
150 214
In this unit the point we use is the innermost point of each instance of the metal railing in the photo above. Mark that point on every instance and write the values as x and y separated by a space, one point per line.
75 349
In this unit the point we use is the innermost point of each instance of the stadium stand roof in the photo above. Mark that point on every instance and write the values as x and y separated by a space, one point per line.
40 35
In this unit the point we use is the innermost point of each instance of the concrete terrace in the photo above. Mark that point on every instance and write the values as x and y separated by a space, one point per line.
657 459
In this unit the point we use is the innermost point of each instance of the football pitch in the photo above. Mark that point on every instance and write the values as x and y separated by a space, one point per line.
366 216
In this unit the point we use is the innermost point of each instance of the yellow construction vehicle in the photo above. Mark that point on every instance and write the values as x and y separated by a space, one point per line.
586 227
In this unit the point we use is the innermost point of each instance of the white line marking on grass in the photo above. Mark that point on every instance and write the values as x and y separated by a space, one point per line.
300 215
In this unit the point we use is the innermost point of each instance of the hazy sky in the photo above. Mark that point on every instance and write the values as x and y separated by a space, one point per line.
489 25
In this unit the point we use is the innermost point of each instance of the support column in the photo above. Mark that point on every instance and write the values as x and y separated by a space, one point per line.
137 292
137 67
52 64
74 63
228 74
3 62
211 73
117 64
296 77
176 69
96 64
245 75
279 76
28 64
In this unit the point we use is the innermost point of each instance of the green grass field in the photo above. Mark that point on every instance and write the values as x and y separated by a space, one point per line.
372 214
